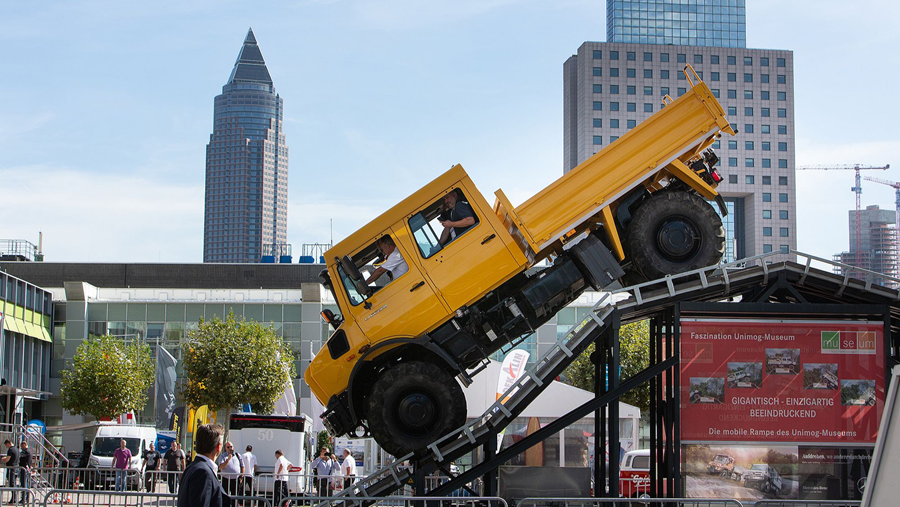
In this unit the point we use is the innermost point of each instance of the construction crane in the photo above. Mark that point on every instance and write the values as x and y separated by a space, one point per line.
896 186
857 189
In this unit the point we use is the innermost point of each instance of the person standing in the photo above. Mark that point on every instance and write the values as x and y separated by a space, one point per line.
173 463
149 467
282 467
231 468
250 463
121 460
24 469
200 486
322 468
12 471
348 468
337 477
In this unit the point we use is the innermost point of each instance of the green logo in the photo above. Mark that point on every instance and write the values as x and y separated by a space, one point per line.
831 340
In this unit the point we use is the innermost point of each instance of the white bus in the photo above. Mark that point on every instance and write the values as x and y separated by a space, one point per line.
268 433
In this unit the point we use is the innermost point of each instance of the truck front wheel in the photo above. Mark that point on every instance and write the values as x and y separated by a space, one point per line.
673 232
413 404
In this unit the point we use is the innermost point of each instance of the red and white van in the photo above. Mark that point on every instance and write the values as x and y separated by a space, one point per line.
634 474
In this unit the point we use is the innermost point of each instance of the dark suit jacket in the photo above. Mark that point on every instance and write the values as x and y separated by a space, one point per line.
200 487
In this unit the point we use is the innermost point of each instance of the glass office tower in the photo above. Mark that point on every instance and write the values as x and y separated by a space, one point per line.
720 23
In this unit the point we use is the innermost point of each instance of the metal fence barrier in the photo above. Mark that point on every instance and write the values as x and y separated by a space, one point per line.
631 502
95 498
808 503
394 501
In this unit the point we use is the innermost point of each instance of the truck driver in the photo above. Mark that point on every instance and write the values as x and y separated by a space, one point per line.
393 261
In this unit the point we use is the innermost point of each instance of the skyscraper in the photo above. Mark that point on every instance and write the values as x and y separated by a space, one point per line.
720 23
609 87
879 248
246 165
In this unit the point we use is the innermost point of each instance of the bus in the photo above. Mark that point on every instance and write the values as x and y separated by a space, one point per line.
268 433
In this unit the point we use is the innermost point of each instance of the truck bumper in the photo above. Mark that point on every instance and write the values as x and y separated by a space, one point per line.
337 417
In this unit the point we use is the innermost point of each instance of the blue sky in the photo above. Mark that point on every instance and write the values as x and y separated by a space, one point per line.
106 108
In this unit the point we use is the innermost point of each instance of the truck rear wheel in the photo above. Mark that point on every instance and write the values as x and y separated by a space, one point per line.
412 405
673 232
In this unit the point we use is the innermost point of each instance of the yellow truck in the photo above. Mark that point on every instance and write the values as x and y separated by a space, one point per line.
431 288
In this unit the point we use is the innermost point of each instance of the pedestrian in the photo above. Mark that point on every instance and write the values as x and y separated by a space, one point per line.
231 468
24 469
12 468
200 486
321 466
173 464
121 460
282 467
250 470
337 476
348 468
149 467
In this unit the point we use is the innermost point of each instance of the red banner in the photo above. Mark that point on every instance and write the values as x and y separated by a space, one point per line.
781 381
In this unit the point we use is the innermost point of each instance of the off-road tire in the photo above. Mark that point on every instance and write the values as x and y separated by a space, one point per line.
413 404
673 232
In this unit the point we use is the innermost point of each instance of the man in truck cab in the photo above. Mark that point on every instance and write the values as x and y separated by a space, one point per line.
393 261
457 217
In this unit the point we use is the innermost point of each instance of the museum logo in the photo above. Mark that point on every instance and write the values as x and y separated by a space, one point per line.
848 342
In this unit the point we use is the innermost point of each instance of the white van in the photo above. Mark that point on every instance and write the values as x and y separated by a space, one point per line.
106 441
267 433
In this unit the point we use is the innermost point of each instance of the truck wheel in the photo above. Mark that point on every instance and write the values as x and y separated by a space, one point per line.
673 232
412 405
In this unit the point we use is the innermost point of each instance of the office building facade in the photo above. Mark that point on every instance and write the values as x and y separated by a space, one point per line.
611 87
720 23
878 250
245 215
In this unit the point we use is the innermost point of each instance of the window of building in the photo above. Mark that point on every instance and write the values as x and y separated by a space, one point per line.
783 214
732 178
613 106
732 110
613 138
782 129
664 74
631 107
767 197
782 79
749 179
767 231
716 145
767 162
732 161
648 107
748 78
598 106
732 77
782 146
648 57
648 90
614 89
732 60
598 55
767 214
766 180
766 146
631 123
784 249
767 248
663 91
780 62
613 55
748 128
613 123
782 113
748 94
783 180
682 91
613 72
782 198
748 162
598 140
782 95
598 123
748 60
764 95
630 73
664 57
715 92
782 163
598 71
648 73
764 78
748 145
783 232
748 111
680 76
765 112
732 144
764 61
732 94
631 90
713 76
714 59
630 56
598 88
682 58
766 129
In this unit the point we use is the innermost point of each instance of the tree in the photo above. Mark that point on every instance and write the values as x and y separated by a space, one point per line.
323 439
108 377
229 363
634 356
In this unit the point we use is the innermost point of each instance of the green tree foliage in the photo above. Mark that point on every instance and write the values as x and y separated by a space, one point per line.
231 362
323 439
634 356
107 378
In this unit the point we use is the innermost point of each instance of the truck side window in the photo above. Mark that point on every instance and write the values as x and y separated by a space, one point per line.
428 228
381 263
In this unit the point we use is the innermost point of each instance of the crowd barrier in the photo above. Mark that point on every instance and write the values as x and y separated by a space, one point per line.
808 503
631 502
394 501
96 498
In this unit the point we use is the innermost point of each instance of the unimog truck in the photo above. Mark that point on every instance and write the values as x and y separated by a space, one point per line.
639 208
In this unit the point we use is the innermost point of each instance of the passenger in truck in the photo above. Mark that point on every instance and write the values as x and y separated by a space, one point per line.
457 217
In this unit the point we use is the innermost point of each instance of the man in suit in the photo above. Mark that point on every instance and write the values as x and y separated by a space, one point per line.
199 485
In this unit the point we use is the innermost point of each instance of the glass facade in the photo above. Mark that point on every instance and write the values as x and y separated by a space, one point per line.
721 23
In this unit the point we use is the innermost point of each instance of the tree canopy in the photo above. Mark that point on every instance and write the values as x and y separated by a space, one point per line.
232 362
634 356
108 377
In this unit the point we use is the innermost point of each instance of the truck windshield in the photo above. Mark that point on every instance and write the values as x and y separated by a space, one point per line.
106 446
760 468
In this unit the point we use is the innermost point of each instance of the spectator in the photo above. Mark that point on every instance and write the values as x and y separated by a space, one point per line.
231 468
173 463
12 463
149 467
24 469
282 467
348 468
322 466
121 460
337 477
199 484
250 470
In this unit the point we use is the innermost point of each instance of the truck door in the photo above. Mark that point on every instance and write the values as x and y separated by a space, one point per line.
464 261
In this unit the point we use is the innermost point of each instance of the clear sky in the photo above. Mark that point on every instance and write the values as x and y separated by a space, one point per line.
106 108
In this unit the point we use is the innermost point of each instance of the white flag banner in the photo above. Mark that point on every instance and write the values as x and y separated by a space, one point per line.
512 369
287 404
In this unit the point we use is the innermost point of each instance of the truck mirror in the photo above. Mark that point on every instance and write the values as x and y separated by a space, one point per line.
363 288
351 269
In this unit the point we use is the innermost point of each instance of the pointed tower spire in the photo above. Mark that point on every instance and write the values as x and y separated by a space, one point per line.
250 66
